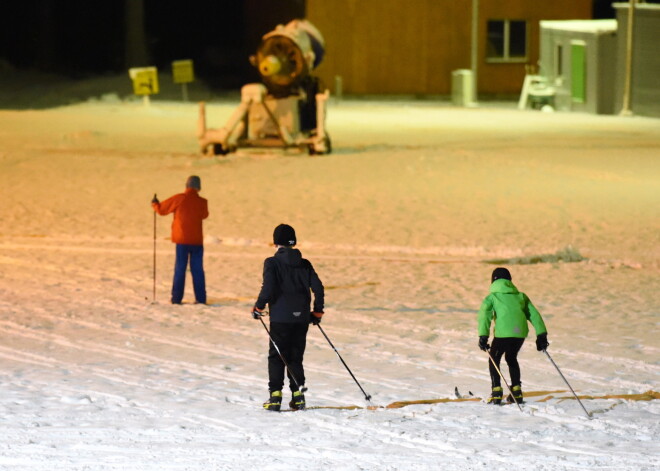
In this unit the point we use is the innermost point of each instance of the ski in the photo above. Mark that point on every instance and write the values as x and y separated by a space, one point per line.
333 408
459 395
543 396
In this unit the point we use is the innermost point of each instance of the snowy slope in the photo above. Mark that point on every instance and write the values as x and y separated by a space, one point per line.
398 222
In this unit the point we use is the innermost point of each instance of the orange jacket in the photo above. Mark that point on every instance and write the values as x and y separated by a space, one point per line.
189 210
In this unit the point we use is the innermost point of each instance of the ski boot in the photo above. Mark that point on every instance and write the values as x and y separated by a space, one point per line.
517 395
297 401
495 396
275 401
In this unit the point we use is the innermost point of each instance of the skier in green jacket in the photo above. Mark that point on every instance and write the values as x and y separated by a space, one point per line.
511 310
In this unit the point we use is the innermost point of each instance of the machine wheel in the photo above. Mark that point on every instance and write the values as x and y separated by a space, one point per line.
311 149
219 150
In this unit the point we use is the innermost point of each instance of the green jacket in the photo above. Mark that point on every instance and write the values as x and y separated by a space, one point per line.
510 309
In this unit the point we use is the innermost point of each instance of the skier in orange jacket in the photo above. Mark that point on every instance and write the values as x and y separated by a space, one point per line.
189 210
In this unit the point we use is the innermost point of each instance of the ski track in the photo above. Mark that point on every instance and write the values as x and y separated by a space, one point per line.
133 356
391 344
230 353
40 360
396 441
83 395
173 366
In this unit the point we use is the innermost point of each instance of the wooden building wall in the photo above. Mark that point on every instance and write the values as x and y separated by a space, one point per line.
412 46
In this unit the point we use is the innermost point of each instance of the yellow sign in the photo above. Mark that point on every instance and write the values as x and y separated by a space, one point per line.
182 71
145 80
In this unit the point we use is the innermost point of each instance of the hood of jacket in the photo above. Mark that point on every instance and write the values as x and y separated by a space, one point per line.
503 286
289 256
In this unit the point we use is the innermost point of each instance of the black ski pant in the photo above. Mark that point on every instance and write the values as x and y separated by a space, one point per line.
291 340
509 347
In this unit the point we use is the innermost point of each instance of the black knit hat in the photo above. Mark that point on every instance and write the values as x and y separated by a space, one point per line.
284 235
500 272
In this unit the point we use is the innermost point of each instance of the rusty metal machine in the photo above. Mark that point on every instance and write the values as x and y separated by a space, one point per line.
288 109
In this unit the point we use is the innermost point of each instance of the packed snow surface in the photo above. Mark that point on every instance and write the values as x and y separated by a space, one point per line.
404 223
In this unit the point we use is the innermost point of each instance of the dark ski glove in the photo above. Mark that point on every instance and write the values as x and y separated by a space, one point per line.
483 343
257 313
155 200
542 342
315 318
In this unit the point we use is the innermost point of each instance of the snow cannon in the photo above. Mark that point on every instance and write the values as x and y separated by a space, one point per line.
288 108
287 55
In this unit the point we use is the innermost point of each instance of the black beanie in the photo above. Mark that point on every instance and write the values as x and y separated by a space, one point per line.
284 235
500 272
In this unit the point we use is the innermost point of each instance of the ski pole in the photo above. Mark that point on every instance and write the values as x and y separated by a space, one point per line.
503 379
154 298
567 384
301 389
366 396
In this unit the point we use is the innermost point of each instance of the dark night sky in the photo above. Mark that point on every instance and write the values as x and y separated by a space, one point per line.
80 38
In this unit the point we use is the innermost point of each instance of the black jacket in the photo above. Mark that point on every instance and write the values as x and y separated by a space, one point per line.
286 286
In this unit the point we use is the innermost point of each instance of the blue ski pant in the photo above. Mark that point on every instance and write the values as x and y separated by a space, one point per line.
185 254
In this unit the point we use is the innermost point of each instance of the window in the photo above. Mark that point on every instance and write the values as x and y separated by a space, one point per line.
507 41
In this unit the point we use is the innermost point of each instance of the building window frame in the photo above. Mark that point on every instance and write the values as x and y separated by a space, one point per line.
504 41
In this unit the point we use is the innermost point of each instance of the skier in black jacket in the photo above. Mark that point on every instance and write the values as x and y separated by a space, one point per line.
287 281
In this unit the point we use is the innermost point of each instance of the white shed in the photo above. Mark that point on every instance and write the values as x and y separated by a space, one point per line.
579 59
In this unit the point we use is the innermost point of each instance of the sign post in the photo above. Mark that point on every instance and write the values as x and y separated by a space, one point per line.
183 73
145 82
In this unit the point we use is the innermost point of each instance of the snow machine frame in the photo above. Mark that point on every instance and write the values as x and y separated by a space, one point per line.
288 109
261 120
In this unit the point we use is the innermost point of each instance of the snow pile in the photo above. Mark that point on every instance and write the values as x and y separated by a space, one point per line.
566 255
398 223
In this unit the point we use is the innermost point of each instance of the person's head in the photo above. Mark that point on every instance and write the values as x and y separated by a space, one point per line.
194 182
284 235
500 272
